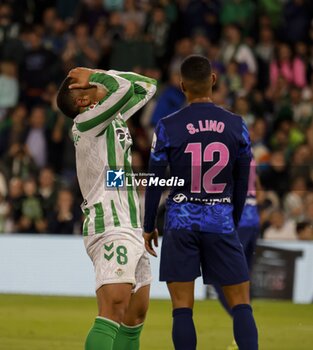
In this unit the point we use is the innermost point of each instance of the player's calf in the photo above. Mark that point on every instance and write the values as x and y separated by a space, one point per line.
244 327
183 332
128 336
113 300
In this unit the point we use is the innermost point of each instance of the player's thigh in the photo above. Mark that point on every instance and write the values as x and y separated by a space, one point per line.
138 307
237 294
182 294
113 300
222 259
180 256
248 237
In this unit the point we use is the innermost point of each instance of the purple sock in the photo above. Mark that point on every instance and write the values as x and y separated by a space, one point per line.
184 332
245 331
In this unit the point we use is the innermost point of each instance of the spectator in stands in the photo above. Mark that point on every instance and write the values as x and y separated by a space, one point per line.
54 31
14 199
276 176
36 140
264 52
11 47
13 129
232 78
32 216
9 87
304 231
132 13
170 100
301 163
48 188
90 12
158 32
280 228
235 49
81 49
3 184
103 39
296 20
309 210
64 218
200 15
132 52
4 214
240 12
19 162
242 108
40 66
292 69
257 131
183 48
294 200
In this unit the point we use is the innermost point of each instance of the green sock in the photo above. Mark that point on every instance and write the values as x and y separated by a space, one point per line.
102 334
128 338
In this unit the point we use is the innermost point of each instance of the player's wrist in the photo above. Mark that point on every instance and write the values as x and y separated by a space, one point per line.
148 230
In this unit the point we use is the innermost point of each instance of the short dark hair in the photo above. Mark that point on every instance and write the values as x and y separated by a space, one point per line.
196 68
65 100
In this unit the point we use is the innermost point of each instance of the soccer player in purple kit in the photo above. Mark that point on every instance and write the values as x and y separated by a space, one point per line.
248 231
209 148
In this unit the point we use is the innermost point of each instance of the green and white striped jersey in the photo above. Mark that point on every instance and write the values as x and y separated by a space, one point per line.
102 142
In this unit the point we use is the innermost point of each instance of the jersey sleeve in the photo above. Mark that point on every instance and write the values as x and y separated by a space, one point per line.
119 93
157 168
144 89
241 173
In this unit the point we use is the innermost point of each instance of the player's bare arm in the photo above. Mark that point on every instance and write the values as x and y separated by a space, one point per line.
151 237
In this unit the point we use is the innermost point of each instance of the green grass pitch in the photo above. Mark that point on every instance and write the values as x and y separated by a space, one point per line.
61 323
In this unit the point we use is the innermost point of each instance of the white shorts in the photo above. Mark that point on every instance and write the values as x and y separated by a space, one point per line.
119 258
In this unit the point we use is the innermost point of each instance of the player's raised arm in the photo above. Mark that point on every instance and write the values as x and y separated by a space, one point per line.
144 89
119 93
93 98
241 174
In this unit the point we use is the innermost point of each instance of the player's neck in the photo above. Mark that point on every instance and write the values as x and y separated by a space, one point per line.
204 99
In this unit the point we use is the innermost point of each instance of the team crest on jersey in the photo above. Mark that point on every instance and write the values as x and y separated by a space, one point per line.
119 272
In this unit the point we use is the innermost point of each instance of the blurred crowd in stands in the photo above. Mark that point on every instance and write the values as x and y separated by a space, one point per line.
261 51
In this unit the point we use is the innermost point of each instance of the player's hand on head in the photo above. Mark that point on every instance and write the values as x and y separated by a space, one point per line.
80 76
149 238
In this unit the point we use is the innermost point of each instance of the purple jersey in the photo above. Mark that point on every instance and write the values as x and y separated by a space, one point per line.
208 148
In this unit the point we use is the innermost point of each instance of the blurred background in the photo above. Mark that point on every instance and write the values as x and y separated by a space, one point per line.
261 51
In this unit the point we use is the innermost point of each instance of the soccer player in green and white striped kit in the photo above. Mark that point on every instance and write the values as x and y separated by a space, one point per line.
100 102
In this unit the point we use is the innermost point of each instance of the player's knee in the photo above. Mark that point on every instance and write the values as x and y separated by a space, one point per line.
237 294
179 301
140 315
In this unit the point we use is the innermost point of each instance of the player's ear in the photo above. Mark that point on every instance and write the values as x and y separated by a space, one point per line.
213 78
182 86
83 101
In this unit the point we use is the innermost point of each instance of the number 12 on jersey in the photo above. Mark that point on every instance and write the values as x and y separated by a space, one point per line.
198 157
